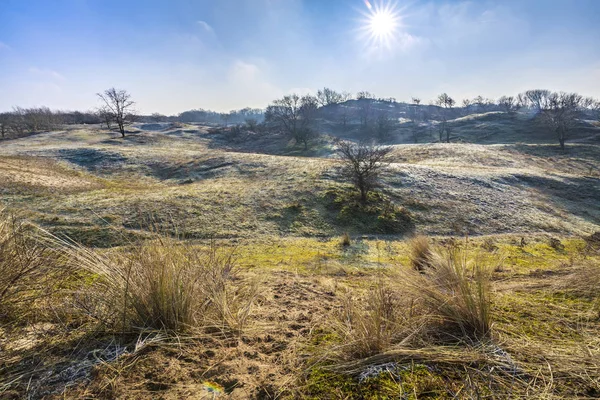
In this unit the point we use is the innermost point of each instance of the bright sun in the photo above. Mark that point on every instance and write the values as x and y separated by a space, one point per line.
381 24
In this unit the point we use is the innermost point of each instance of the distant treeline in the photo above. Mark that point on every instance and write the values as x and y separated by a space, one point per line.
25 121
298 116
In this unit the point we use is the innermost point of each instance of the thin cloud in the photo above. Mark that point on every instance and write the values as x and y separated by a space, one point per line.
4 46
48 73
206 26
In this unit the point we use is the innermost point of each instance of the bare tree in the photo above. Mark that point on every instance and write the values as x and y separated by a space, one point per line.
595 106
251 124
327 97
537 99
521 100
413 111
415 115
106 115
120 105
479 102
308 115
509 104
225 117
466 106
365 107
560 112
17 122
384 125
295 115
158 117
364 95
346 96
343 112
4 124
445 103
362 164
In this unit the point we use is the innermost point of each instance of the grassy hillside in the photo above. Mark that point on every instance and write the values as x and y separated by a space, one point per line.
83 180
210 266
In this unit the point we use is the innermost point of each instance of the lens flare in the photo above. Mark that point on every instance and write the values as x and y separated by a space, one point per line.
214 388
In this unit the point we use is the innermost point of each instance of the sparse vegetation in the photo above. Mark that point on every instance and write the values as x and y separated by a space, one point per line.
347 306
174 243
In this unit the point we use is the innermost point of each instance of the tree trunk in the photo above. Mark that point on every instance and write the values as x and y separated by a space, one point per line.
363 195
561 139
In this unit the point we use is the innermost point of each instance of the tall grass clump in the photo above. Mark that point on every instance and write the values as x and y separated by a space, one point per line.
164 284
448 296
345 241
371 323
457 291
29 270
420 253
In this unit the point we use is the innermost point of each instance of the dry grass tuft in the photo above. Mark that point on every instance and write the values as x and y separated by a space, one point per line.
584 281
457 291
345 241
29 270
555 244
370 324
164 284
448 296
420 253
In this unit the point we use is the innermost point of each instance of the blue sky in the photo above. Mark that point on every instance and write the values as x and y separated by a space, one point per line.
225 54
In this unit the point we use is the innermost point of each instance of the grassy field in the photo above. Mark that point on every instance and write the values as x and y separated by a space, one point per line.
207 267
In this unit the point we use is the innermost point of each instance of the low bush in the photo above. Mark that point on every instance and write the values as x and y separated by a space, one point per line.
378 215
